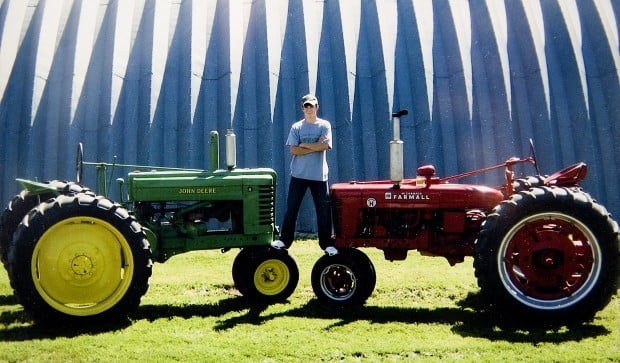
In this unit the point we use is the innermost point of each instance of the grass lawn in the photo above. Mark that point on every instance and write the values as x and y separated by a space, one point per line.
421 309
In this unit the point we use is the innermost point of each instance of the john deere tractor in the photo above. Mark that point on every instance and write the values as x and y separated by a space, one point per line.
72 252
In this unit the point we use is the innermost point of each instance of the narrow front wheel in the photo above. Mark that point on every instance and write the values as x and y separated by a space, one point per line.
265 274
347 278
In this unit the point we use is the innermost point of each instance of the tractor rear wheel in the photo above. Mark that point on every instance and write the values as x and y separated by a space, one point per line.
548 255
345 279
265 274
20 205
80 257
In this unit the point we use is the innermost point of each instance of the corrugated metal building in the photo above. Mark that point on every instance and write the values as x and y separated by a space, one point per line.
147 81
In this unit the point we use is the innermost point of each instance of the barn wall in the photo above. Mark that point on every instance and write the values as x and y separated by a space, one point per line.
146 81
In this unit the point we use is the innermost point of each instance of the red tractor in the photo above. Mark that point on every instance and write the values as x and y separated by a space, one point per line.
543 248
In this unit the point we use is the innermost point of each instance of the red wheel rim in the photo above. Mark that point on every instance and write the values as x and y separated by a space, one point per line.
549 260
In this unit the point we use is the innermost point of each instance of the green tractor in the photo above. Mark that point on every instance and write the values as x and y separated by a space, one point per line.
72 253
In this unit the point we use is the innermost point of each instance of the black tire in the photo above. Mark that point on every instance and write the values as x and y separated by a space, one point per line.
346 279
80 257
240 271
264 274
20 205
527 183
548 255
11 217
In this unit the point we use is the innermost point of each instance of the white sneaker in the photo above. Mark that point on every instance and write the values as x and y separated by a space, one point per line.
331 251
278 245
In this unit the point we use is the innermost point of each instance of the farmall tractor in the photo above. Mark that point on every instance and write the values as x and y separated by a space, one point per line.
72 253
542 248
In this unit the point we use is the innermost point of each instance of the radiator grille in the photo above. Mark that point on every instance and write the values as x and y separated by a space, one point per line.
266 208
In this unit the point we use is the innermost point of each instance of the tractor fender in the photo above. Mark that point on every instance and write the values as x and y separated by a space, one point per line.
36 188
569 176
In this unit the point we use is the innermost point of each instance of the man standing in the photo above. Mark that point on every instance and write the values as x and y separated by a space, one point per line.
308 141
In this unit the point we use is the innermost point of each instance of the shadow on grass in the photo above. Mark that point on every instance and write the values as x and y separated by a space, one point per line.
20 327
7 300
222 307
470 318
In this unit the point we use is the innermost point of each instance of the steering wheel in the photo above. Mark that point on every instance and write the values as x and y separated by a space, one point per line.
79 162
533 156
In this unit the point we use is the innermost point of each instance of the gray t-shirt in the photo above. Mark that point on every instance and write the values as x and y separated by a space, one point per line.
312 166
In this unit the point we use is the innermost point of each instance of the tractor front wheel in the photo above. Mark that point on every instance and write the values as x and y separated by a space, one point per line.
265 274
80 257
345 279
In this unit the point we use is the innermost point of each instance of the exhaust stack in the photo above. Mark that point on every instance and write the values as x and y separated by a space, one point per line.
231 149
396 150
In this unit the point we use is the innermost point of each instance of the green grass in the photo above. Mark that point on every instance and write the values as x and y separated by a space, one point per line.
421 309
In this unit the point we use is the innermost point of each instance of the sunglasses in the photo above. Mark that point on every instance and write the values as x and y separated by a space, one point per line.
308 105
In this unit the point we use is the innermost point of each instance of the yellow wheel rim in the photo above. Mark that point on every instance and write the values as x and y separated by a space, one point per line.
271 277
82 266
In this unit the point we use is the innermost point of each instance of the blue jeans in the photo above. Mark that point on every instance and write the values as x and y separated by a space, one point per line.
320 195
